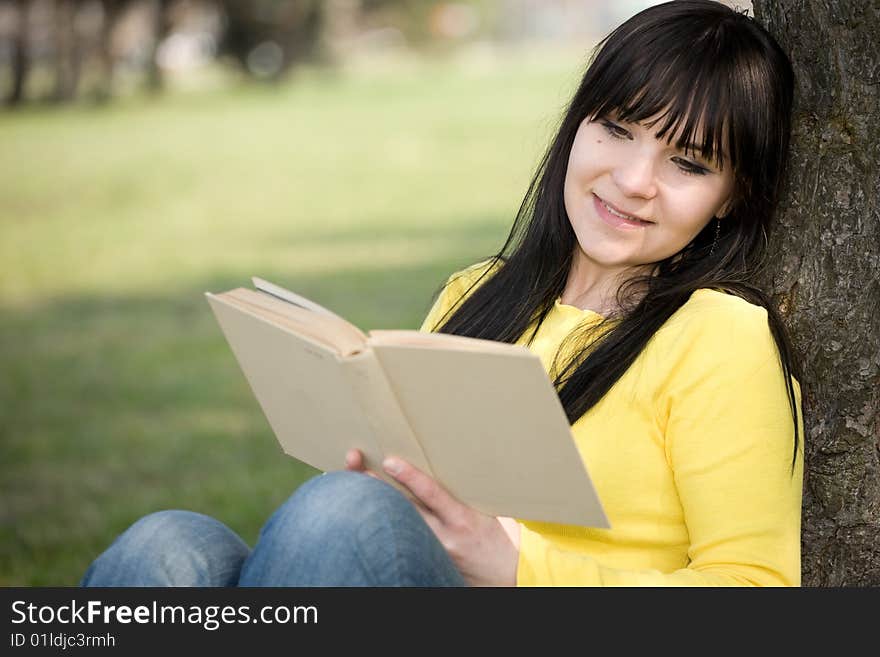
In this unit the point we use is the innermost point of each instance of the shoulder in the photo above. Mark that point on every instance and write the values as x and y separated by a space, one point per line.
456 288
717 331
476 271
718 314
462 282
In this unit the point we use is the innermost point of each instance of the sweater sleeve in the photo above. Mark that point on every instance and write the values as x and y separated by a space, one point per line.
729 443
457 286
444 301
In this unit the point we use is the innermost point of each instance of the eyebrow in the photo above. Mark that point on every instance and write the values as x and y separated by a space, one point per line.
697 149
692 147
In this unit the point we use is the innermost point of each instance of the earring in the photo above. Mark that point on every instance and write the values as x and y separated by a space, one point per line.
717 233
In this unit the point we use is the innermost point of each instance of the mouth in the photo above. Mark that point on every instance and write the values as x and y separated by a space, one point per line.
616 217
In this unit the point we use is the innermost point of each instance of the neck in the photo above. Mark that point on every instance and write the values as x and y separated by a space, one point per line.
592 287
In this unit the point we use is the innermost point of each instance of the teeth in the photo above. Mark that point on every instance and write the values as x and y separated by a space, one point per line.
621 215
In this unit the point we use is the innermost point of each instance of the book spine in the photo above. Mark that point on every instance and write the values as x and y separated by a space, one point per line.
389 424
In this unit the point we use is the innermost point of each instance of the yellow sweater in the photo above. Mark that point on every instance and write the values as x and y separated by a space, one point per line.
690 453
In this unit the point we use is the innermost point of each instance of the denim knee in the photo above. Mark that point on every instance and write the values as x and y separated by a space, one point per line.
342 497
346 529
171 548
333 504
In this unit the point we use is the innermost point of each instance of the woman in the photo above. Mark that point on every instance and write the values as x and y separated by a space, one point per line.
628 271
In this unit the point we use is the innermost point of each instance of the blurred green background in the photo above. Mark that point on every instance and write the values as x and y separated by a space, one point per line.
361 184
119 395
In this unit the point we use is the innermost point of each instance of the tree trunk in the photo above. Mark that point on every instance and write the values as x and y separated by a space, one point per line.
826 260
67 52
112 11
20 59
162 24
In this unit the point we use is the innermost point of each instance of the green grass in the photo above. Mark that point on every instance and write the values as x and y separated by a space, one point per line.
118 394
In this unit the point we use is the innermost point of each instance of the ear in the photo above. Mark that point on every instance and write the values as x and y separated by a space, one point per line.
725 208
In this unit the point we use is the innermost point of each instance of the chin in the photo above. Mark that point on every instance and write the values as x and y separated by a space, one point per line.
609 259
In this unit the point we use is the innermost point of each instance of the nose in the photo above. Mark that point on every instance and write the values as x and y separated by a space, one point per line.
635 176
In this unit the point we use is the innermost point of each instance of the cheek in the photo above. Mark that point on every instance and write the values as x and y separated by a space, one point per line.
587 150
579 178
685 216
573 183
689 212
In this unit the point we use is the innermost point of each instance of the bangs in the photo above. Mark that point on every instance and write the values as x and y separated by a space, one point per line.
689 111
688 80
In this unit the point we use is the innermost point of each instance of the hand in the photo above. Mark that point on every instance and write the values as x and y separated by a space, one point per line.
485 549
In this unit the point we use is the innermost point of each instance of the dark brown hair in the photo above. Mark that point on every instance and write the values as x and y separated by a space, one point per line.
716 78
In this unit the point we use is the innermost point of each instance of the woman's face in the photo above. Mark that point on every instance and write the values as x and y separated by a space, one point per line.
633 199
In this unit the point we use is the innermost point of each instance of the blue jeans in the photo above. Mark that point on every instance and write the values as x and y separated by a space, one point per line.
338 529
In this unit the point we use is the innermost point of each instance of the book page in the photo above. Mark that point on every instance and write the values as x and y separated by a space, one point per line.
302 388
382 410
493 429
331 330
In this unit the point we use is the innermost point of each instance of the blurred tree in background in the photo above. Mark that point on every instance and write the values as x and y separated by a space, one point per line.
59 50
266 37
64 50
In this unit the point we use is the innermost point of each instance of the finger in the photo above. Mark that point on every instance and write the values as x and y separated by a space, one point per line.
424 487
354 460
430 519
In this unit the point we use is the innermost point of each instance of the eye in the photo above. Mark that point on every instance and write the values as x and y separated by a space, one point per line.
616 131
689 168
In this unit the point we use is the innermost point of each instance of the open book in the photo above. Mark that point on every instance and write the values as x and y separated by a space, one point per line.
481 417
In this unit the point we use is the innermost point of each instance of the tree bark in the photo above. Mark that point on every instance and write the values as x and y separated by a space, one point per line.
826 259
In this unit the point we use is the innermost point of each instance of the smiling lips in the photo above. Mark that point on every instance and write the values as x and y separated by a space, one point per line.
614 217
